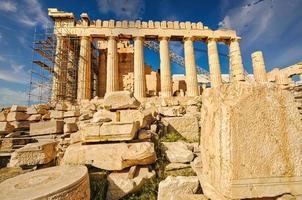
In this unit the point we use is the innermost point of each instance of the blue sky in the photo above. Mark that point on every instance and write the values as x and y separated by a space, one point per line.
273 26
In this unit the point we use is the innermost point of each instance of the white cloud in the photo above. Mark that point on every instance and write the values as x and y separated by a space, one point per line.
13 72
9 97
268 25
8 6
128 9
29 12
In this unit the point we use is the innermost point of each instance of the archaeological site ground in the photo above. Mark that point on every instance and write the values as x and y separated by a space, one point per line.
115 128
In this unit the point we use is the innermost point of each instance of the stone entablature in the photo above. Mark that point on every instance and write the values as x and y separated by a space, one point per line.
174 29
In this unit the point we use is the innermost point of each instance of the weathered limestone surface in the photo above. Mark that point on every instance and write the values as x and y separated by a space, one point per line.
20 125
180 185
120 184
17 116
37 109
46 127
70 127
3 116
116 156
120 100
259 67
34 154
61 182
187 126
250 142
103 116
6 127
16 108
178 152
115 131
145 118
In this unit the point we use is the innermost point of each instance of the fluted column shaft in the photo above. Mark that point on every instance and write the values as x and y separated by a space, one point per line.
112 65
56 71
236 61
191 73
259 67
214 64
84 71
71 73
139 68
165 68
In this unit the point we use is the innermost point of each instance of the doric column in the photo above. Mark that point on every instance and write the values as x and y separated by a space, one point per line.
84 71
71 76
259 67
214 64
139 68
55 84
165 68
282 78
191 74
112 65
236 60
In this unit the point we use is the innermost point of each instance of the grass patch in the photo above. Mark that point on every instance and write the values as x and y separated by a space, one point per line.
98 183
181 172
172 137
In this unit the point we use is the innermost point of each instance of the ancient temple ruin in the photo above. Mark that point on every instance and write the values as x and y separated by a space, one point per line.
100 137
110 33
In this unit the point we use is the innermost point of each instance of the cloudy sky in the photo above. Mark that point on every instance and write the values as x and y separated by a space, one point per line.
273 26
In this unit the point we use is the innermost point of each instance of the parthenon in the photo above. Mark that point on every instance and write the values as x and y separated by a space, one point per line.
113 128
112 32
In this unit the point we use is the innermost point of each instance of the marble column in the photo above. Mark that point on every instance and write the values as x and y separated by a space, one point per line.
84 70
282 78
259 67
191 72
139 68
165 68
236 60
112 65
214 64
71 76
55 88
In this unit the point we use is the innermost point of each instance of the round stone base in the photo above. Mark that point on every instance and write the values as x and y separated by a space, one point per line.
55 183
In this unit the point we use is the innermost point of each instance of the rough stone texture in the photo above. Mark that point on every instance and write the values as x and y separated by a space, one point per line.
103 116
57 183
120 100
176 166
3 116
17 116
20 125
187 126
46 127
120 184
189 197
70 127
56 114
35 117
72 113
145 118
34 154
116 156
37 109
16 108
178 152
115 131
6 127
250 142
173 186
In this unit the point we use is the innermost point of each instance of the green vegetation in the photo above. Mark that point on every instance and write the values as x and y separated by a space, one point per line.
172 137
98 184
181 172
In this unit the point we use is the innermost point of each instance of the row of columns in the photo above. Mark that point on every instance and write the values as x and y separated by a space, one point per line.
84 68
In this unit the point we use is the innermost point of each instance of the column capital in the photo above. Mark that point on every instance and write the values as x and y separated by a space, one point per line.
86 37
111 37
139 38
212 39
189 38
235 39
164 37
